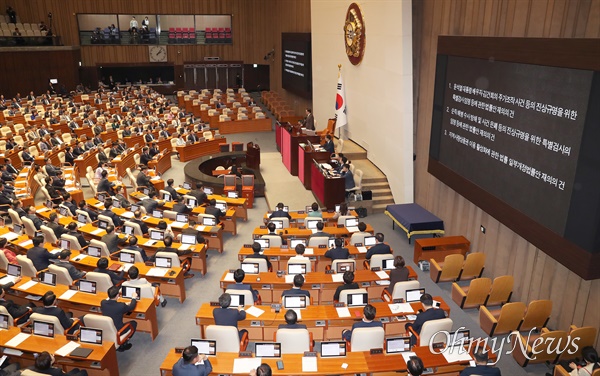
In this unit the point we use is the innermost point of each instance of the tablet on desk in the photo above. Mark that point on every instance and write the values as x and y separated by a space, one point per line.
65 244
102 224
294 268
250 267
369 241
277 222
236 300
205 346
44 329
267 350
191 203
295 242
333 349
342 267
94 251
87 286
157 235
209 221
414 295
264 243
181 218
187 185
397 345
311 224
127 257
357 300
291 301
128 291
90 335
48 278
162 262
3 321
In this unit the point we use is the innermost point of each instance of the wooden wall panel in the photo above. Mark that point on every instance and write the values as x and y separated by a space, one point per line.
537 276
256 26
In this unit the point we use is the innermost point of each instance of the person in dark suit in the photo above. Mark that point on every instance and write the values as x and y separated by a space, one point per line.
50 309
40 255
239 276
68 202
43 364
132 246
191 230
339 252
63 262
5 196
83 206
291 321
154 150
149 137
229 317
380 248
399 274
58 183
27 158
481 367
213 210
309 121
150 204
15 310
415 366
199 194
17 206
296 290
143 180
137 218
180 207
280 213
119 196
6 176
349 284
272 232
256 249
111 239
102 267
108 202
53 192
320 233
115 310
56 227
145 157
192 137
72 227
169 188
429 313
104 185
9 167
37 222
329 147
348 177
69 156
369 313
188 365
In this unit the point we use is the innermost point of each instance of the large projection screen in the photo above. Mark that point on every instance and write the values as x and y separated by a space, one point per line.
516 130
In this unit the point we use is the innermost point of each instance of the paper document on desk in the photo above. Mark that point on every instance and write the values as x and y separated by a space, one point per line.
17 340
69 182
309 364
245 365
337 277
41 210
26 243
7 279
70 189
229 277
79 257
157 272
150 242
254 311
27 285
407 355
352 229
184 247
382 274
10 236
362 249
455 354
203 228
56 251
309 251
97 231
342 312
289 278
400 308
127 214
23 175
326 166
67 295
178 224
155 178
67 349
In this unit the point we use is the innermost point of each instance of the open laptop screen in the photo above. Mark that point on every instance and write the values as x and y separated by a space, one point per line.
209 221
94 251
236 300
278 223
188 239
181 218
14 270
48 278
187 185
127 257
157 235
369 241
388 264
312 224
351 222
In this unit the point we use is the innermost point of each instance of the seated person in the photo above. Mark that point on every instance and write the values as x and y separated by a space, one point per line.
15 310
257 249
398 274
150 203
300 249
369 313
272 232
349 284
239 276
137 218
229 317
9 254
483 369
191 230
136 281
380 248
56 227
339 252
44 362
50 309
40 255
358 236
115 310
63 262
108 202
83 206
320 233
291 321
168 241
213 210
111 239
102 267
329 147
72 228
296 290
316 211
132 242
280 212
342 212
188 365
179 206
428 313
415 366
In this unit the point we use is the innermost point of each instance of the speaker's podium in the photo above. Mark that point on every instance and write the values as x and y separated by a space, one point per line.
248 189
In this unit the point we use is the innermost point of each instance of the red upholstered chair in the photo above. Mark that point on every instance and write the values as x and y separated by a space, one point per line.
229 183
248 189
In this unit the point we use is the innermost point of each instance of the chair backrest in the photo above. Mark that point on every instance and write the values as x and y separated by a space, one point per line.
510 317
45 193
49 236
342 219
137 256
501 290
452 267
473 266
227 337
104 252
262 264
300 260
317 241
104 323
103 281
377 260
357 176
136 158
58 328
73 242
365 339
4 311
131 178
285 221
29 226
84 213
248 297
27 268
546 349
358 237
587 337
170 214
293 341
106 219
146 290
3 261
14 216
172 256
401 287
137 229
335 262
207 135
537 315
344 294
477 293
62 275
434 329
274 240
340 146
67 137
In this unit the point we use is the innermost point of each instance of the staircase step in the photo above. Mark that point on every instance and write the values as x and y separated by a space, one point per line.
381 192
367 179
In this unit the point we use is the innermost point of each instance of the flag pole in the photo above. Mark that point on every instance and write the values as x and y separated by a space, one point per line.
340 128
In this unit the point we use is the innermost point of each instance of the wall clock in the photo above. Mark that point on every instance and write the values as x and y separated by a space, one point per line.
157 54
354 34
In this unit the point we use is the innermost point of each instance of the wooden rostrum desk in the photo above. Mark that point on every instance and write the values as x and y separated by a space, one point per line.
321 320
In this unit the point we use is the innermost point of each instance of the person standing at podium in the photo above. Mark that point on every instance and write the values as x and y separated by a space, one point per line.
309 121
